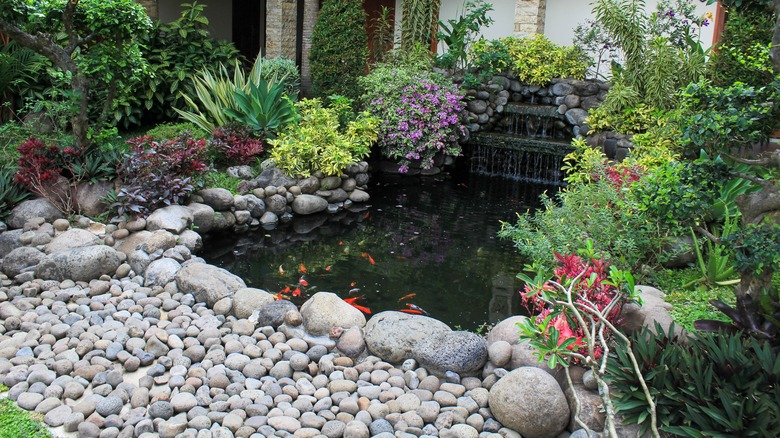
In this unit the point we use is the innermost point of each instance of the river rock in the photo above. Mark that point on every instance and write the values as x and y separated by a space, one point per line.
276 204
173 218
392 335
274 312
202 216
10 240
326 310
90 197
273 176
217 198
653 310
530 401
351 342
460 352
208 283
308 204
591 407
80 264
161 272
506 330
73 238
576 116
358 195
33 208
131 243
242 172
224 221
20 259
247 300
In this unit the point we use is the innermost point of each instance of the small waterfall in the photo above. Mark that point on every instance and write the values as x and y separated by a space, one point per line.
531 147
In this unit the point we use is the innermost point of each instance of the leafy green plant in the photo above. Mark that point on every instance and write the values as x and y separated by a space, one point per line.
718 269
167 131
534 60
264 108
318 143
417 22
382 35
597 46
11 193
742 53
691 303
339 50
718 384
217 179
458 34
20 67
15 422
176 53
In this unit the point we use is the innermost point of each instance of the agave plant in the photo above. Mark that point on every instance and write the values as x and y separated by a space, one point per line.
264 108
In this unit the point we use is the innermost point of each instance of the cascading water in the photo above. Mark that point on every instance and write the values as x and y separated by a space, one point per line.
530 146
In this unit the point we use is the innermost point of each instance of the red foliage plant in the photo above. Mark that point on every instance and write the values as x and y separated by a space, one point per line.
592 290
182 156
237 144
38 163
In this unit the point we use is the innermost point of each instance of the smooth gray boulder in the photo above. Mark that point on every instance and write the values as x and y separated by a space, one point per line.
73 238
392 335
80 264
249 299
90 197
161 272
33 208
208 283
461 352
173 218
308 204
9 240
506 330
202 216
21 259
273 313
217 198
530 401
326 310
132 242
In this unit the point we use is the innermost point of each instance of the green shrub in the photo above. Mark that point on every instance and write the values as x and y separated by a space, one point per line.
11 193
263 108
281 69
339 50
319 143
168 131
742 53
216 179
176 52
719 384
534 60
690 303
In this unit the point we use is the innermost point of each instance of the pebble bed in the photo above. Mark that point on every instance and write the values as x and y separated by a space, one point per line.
67 348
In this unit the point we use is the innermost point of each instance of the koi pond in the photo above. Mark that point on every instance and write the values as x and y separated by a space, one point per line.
420 245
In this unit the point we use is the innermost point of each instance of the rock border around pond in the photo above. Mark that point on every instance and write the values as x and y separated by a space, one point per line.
220 359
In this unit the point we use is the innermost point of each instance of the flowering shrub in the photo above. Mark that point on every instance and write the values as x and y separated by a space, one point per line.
588 280
236 143
157 174
421 113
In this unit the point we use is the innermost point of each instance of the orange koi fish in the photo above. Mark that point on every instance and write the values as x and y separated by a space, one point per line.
302 281
341 243
417 308
411 311
407 297
286 290
296 292
363 309
352 284
281 270
279 296
351 300
302 268
328 268
367 215
366 255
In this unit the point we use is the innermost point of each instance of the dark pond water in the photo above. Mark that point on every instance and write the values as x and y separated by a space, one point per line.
430 242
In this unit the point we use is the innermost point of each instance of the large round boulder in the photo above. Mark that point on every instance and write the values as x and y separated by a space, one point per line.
161 272
20 259
506 330
326 310
80 264
530 402
249 299
460 352
208 283
217 198
308 204
33 208
10 240
392 335
73 238
202 216
273 313
173 218
90 197
132 242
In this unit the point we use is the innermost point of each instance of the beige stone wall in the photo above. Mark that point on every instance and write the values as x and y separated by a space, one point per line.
151 7
529 17
310 14
280 28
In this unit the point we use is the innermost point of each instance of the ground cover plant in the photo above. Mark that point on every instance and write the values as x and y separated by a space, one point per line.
16 423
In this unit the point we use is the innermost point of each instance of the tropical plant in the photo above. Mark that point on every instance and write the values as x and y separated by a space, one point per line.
176 52
339 48
19 68
717 384
458 35
167 131
535 60
574 314
317 142
417 22
382 35
237 144
98 35
156 174
11 193
597 46
421 113
263 108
